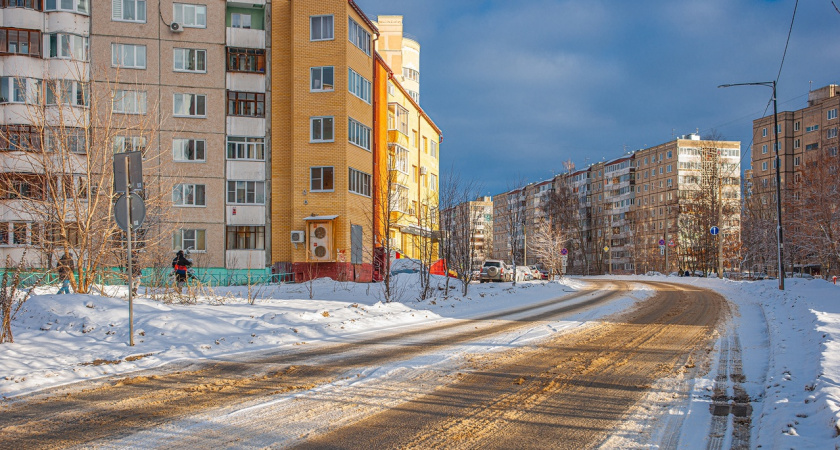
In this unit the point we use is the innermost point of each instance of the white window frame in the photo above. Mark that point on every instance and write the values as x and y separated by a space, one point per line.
190 15
312 178
401 156
195 104
358 134
764 166
67 46
181 190
764 149
118 10
179 238
120 53
358 85
183 56
358 36
79 6
181 147
320 77
764 132
137 99
70 92
256 189
831 114
312 26
30 90
433 182
236 20
129 144
321 120
252 147
434 150
831 133
359 182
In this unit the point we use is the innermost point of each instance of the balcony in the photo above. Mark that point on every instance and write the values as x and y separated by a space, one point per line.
245 38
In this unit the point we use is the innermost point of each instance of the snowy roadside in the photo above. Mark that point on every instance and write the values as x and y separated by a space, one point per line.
61 339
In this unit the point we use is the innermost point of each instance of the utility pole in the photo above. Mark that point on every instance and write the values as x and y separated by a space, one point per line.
720 218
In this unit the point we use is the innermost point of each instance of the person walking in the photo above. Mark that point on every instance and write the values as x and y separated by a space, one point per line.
180 264
65 272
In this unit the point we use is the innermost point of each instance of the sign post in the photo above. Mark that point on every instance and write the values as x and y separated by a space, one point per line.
128 177
714 232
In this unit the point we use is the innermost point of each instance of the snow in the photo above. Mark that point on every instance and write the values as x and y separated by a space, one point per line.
789 341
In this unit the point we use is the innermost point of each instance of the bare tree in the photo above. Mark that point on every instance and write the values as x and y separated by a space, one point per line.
512 220
547 243
459 225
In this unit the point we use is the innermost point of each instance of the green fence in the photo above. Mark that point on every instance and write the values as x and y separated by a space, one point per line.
163 277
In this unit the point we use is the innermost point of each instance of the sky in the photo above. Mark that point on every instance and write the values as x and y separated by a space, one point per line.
520 86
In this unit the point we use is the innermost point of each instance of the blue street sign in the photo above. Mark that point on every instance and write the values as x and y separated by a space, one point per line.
714 231
564 252
662 242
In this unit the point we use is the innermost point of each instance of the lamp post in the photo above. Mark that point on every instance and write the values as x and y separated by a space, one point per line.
779 234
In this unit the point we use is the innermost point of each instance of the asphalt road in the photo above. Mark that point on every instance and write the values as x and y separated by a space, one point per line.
566 392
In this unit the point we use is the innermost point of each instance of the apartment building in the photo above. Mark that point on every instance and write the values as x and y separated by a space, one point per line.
401 53
477 215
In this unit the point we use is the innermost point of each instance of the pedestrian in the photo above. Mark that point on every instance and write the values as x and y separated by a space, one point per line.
65 272
181 264
136 274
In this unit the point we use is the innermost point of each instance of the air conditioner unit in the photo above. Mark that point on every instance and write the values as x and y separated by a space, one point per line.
423 170
176 27
320 241
298 237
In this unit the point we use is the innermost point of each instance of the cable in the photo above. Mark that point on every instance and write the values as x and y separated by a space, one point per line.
790 30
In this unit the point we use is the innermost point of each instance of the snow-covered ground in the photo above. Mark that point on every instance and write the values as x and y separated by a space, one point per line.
789 343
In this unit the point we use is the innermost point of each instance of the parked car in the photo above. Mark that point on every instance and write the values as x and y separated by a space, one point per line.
535 273
523 273
495 270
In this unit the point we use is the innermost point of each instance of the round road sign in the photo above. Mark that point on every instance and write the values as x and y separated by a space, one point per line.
662 242
714 231
138 212
564 252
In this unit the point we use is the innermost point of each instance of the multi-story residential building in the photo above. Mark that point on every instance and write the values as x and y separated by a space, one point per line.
478 215
401 53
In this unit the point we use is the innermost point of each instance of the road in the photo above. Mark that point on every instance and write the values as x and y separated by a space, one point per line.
568 391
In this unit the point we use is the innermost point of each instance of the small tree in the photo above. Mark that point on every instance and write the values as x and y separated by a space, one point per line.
459 222
548 244
12 297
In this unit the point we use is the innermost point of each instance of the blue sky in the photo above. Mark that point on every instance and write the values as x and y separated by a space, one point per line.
519 86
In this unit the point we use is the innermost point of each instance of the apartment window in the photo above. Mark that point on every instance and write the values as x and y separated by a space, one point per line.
433 182
831 133
411 74
128 56
250 104
832 151
246 192
67 93
67 46
358 134
398 118
401 159
188 150
359 182
188 195
321 129
764 132
189 15
831 114
189 60
321 79
415 140
65 139
20 90
812 146
796 126
129 102
247 148
29 4
320 28
669 182
359 36
19 138
21 42
670 154
358 85
77 6
434 149
240 20
797 143
764 165
246 60
189 105
320 179
796 160
128 10
812 128
764 149
189 240
246 238
129 144
668 168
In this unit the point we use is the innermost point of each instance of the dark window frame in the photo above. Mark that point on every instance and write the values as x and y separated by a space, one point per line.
241 102
248 60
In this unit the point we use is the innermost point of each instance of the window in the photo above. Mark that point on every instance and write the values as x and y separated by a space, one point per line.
128 56
434 149
240 20
129 144
251 104
67 46
320 28
246 60
321 129
831 133
249 148
78 6
764 132
778 129
190 16
796 126
19 138
359 182
670 154
797 143
401 159
433 182
21 42
411 74
831 114
66 93
245 238
796 160
764 165
188 150
189 105
398 118
764 149
669 183
668 169
30 4
358 134
20 90
246 192
19 233
321 79
129 102
812 146
188 195
189 240
359 37
189 60
320 179
358 85
128 10
65 139
812 128
832 151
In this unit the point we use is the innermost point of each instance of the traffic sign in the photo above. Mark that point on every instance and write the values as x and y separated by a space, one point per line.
138 212
662 242
564 252
714 231
671 243
606 249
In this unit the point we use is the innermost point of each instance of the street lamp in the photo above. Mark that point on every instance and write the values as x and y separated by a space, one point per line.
779 235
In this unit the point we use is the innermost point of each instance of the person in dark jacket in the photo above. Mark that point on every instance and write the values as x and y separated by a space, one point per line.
181 265
65 272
